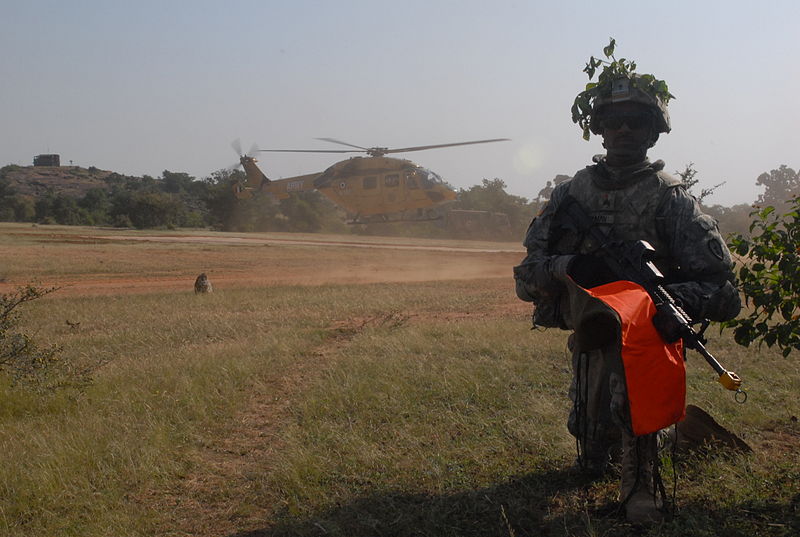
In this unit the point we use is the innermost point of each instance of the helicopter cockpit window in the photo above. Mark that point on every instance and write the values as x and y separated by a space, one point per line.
429 179
411 182
392 180
370 182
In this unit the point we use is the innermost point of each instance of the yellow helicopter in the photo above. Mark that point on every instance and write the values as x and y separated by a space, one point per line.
370 189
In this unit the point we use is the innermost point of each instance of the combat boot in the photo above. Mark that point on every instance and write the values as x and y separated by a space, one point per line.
639 473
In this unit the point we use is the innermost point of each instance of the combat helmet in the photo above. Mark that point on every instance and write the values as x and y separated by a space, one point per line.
624 89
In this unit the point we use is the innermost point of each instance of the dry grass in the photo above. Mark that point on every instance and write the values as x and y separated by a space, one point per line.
378 406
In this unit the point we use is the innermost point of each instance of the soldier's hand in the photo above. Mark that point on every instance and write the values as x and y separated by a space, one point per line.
668 325
590 271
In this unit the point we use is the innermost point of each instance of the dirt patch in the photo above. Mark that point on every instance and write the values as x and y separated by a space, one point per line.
247 449
778 438
145 267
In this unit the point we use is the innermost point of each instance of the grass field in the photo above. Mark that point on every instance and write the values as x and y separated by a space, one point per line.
332 388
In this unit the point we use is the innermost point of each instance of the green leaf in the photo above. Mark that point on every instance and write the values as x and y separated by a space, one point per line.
770 338
742 248
742 336
609 50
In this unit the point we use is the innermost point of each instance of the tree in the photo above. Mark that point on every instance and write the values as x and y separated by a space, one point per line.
734 219
155 209
780 186
300 214
770 279
688 176
67 212
96 203
547 191
491 196
146 209
174 182
14 207
60 209
228 213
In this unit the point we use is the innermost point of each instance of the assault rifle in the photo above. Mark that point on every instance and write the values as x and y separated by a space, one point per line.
632 261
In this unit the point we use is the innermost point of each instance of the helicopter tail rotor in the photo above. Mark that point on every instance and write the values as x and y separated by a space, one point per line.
255 178
237 146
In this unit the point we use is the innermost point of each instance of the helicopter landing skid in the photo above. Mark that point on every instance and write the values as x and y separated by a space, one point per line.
381 220
414 215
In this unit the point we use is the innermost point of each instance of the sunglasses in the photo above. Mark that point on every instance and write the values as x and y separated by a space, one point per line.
633 121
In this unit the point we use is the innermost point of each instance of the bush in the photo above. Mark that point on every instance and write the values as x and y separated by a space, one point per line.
770 279
121 221
21 358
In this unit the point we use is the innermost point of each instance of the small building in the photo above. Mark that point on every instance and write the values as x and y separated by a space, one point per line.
47 160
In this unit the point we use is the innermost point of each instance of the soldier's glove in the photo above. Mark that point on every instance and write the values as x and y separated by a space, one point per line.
590 271
536 280
668 324
559 266
705 300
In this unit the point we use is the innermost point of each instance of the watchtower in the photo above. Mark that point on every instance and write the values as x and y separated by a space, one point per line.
47 160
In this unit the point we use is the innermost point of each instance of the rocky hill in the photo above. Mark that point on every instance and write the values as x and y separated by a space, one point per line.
72 181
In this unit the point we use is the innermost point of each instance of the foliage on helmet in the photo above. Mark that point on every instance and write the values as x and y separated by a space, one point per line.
613 69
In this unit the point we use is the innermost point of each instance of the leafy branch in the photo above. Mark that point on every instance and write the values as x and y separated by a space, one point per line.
770 279
26 362
613 69
689 179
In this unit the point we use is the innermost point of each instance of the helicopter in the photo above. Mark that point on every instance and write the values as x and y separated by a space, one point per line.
370 189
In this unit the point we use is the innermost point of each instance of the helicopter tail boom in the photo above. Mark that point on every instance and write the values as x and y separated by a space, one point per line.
283 188
255 179
258 183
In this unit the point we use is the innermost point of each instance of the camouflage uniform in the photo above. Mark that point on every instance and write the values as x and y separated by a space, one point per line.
638 202
631 200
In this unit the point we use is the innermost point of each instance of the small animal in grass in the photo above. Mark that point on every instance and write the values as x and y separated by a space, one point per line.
202 284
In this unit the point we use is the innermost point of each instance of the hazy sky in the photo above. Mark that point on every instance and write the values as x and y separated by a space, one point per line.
140 87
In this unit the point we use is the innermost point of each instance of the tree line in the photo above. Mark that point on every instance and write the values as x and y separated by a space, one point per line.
178 200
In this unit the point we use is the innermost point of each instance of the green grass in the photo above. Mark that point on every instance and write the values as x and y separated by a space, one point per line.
444 430
391 409
168 367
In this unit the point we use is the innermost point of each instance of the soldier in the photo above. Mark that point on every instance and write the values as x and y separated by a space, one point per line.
631 199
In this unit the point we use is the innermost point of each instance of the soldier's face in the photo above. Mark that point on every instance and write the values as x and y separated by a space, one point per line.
627 132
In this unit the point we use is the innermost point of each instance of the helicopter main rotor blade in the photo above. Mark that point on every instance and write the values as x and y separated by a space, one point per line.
310 151
341 143
237 146
422 147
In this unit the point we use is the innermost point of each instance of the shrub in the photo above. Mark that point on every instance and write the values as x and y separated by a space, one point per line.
21 357
770 279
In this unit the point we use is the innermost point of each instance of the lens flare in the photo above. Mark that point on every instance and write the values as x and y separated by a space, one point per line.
528 158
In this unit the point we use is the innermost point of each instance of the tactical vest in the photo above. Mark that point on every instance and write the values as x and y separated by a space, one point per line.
625 211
